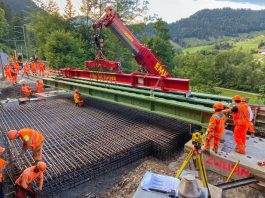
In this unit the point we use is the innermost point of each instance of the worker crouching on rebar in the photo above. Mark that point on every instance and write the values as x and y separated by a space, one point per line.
78 101
23 188
2 167
39 86
27 92
31 139
216 128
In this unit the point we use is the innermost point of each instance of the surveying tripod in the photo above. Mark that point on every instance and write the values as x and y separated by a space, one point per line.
196 151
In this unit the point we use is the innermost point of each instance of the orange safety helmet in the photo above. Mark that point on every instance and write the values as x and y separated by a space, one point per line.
12 134
218 105
243 99
237 97
2 149
41 166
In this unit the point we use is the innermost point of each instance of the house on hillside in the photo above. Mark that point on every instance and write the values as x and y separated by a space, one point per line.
262 51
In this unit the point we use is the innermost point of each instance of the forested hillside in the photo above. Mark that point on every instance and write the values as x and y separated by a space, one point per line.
217 23
18 6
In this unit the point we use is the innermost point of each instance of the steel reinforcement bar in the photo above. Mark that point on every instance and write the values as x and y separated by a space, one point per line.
185 111
82 143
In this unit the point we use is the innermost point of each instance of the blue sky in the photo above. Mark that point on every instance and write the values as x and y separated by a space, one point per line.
173 10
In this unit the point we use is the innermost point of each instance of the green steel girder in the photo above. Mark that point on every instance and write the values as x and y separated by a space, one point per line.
195 114
171 96
193 94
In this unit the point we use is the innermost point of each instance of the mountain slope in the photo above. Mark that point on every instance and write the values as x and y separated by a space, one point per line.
217 23
257 2
18 6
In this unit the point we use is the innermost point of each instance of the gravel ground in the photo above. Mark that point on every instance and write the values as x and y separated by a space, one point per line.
129 183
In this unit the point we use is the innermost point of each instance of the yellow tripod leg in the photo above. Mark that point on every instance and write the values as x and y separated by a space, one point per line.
203 173
202 170
184 164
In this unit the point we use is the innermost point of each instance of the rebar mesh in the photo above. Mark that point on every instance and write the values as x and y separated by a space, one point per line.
82 143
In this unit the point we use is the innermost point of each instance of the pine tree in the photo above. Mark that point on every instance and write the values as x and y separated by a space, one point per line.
69 11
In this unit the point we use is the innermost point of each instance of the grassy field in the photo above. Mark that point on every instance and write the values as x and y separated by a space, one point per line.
247 45
230 92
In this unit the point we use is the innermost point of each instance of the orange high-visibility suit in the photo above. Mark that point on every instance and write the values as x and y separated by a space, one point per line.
26 69
8 72
14 73
33 68
77 100
2 166
41 68
215 130
16 65
26 90
39 86
241 121
34 140
24 181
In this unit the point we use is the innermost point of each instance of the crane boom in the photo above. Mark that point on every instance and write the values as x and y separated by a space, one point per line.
143 55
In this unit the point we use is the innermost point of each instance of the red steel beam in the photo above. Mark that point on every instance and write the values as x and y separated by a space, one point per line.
134 79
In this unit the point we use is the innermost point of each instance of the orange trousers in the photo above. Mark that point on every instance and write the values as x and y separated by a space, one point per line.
216 141
240 136
42 72
251 127
14 79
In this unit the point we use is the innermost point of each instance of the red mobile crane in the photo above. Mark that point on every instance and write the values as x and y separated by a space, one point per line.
157 75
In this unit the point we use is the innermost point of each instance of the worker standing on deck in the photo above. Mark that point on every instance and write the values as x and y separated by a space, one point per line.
2 167
16 65
78 101
27 92
41 68
33 68
31 139
39 86
26 70
251 127
14 73
8 72
23 188
216 127
241 121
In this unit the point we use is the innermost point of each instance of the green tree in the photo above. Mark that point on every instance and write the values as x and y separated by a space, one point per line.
42 26
69 11
160 44
64 50
3 24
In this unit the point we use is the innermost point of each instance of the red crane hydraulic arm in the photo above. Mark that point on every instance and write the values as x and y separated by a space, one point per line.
142 54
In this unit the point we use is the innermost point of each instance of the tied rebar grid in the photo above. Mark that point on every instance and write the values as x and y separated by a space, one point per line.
82 143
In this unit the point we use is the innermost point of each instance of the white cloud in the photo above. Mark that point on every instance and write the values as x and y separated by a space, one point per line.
172 10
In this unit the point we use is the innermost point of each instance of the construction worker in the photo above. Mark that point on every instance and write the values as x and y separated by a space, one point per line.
39 86
26 70
216 127
8 72
241 122
23 188
2 167
33 68
31 139
41 68
27 92
77 99
14 73
251 127
16 65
